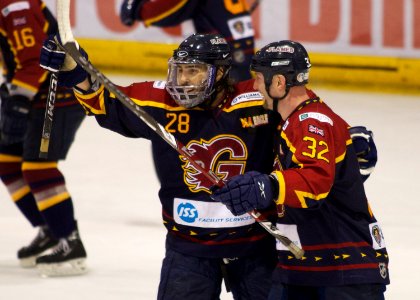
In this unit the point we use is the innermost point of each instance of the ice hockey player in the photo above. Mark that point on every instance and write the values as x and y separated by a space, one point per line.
228 128
317 189
37 186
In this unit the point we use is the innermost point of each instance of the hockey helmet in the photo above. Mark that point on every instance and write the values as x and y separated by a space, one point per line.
205 53
287 58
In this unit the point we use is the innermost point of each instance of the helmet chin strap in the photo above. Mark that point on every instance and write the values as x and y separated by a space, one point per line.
275 99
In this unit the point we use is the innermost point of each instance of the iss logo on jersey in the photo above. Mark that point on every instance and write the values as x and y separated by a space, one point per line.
202 214
187 212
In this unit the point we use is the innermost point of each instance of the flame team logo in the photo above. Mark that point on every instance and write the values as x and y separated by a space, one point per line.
225 155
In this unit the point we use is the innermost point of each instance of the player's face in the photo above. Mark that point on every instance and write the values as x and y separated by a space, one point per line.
190 82
191 74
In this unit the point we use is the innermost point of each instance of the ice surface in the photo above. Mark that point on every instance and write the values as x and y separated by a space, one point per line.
114 187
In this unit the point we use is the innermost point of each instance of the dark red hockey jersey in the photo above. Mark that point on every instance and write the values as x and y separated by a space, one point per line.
322 203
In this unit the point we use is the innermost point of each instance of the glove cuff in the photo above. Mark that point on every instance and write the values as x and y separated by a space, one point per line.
71 78
274 185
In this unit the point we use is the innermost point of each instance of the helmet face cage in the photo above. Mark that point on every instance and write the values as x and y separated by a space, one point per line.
206 52
287 58
191 91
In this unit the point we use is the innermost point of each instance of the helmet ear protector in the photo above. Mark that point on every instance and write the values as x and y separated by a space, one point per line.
205 52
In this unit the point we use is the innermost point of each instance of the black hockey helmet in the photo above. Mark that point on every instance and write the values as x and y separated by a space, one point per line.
205 52
208 48
287 58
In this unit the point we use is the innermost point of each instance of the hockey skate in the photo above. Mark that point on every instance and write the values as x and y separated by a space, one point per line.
67 259
43 242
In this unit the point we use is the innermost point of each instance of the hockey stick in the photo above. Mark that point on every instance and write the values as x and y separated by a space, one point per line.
48 118
254 6
69 43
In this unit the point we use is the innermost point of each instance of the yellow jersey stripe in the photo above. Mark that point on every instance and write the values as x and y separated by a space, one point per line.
46 203
148 22
282 188
302 195
244 105
27 166
20 193
10 158
25 85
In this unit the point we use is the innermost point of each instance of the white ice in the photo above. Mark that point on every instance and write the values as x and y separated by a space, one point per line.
114 187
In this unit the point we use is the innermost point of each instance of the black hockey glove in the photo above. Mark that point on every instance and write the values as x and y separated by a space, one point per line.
130 11
365 150
54 59
13 118
243 193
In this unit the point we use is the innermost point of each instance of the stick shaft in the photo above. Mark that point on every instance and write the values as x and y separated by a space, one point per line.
48 117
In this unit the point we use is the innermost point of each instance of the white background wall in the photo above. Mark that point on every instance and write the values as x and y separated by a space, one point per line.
365 27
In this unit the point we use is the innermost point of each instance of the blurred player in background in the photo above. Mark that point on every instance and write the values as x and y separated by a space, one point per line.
37 186
229 18
318 190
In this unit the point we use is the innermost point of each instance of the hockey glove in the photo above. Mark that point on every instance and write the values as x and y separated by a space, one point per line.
13 118
243 193
54 59
130 11
365 150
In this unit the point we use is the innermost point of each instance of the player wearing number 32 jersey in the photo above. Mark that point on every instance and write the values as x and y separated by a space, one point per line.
317 189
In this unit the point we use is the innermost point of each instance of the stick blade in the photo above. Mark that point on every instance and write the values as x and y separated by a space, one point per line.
43 151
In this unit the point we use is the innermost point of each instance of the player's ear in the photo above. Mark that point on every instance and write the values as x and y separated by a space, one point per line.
219 73
279 81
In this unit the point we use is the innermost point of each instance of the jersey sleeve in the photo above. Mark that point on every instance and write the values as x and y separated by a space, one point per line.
313 140
110 113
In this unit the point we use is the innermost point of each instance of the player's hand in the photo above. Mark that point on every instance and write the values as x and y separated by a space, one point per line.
52 57
243 193
14 112
55 59
365 150
129 11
